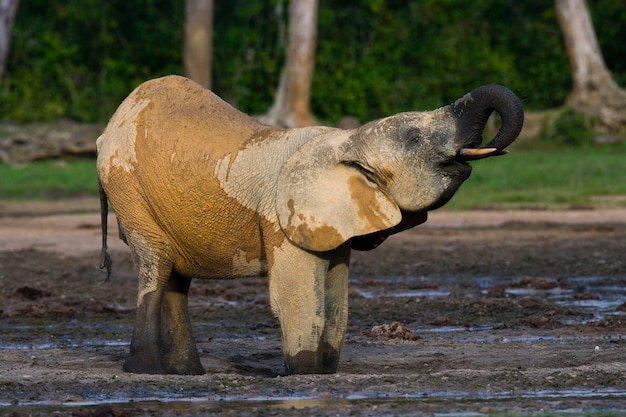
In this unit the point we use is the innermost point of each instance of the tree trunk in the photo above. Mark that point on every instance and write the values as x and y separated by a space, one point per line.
8 8
198 54
594 92
291 106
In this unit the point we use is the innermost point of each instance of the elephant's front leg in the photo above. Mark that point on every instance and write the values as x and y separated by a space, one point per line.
336 304
297 295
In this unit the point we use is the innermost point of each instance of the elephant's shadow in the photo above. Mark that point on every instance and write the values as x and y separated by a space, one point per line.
266 364
249 359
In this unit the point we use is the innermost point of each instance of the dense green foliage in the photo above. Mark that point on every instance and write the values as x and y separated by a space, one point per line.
562 177
79 58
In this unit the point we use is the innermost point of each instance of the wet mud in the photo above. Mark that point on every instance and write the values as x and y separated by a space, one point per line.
473 312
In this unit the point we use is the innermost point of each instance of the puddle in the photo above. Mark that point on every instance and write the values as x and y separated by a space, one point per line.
407 294
606 298
63 335
63 345
169 402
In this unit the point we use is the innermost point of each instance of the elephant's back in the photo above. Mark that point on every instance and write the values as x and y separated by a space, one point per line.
184 112
173 112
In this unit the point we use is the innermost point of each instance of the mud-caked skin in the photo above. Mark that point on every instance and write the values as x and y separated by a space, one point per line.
201 190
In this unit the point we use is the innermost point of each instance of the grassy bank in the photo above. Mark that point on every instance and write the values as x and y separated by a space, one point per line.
45 180
567 177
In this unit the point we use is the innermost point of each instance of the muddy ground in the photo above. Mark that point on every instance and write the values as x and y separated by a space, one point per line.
479 312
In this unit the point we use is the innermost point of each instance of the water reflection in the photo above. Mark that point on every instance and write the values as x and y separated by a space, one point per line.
167 402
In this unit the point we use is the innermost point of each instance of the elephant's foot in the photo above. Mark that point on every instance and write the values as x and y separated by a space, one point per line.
144 362
322 361
183 362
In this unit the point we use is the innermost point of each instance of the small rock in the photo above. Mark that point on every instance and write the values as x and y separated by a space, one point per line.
395 330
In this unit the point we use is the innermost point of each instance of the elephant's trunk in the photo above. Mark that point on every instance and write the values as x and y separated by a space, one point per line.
472 112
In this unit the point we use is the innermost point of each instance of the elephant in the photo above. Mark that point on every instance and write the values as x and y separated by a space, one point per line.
202 190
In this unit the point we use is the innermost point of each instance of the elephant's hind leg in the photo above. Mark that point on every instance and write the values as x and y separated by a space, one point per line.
154 265
180 355
144 356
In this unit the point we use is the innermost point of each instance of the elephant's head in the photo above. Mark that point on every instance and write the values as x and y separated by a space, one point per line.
348 183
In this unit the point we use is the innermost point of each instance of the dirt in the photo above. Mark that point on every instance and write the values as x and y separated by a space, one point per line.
476 312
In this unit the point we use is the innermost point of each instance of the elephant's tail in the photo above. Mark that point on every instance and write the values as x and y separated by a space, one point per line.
105 259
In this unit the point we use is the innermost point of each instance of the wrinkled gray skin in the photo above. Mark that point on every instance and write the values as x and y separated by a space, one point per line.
201 190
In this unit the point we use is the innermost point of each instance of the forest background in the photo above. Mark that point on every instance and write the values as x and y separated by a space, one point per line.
77 59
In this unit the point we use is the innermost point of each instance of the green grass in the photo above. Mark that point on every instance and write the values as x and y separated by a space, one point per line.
528 178
48 180
566 177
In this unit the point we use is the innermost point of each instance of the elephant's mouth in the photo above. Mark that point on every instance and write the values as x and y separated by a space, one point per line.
457 168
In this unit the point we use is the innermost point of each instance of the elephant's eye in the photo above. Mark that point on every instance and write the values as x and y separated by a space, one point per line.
414 135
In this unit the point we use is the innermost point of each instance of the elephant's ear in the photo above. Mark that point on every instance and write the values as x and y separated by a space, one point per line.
322 202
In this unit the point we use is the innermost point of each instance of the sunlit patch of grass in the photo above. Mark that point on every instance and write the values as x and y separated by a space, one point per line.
566 177
53 179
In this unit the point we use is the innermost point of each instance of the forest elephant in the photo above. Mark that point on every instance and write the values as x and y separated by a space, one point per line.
201 190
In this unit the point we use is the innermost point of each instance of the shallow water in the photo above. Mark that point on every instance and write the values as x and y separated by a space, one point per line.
63 335
167 402
609 297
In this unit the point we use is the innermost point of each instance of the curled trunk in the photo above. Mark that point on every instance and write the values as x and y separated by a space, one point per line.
472 112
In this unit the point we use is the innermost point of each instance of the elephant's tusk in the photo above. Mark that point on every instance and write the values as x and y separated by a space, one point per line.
477 152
